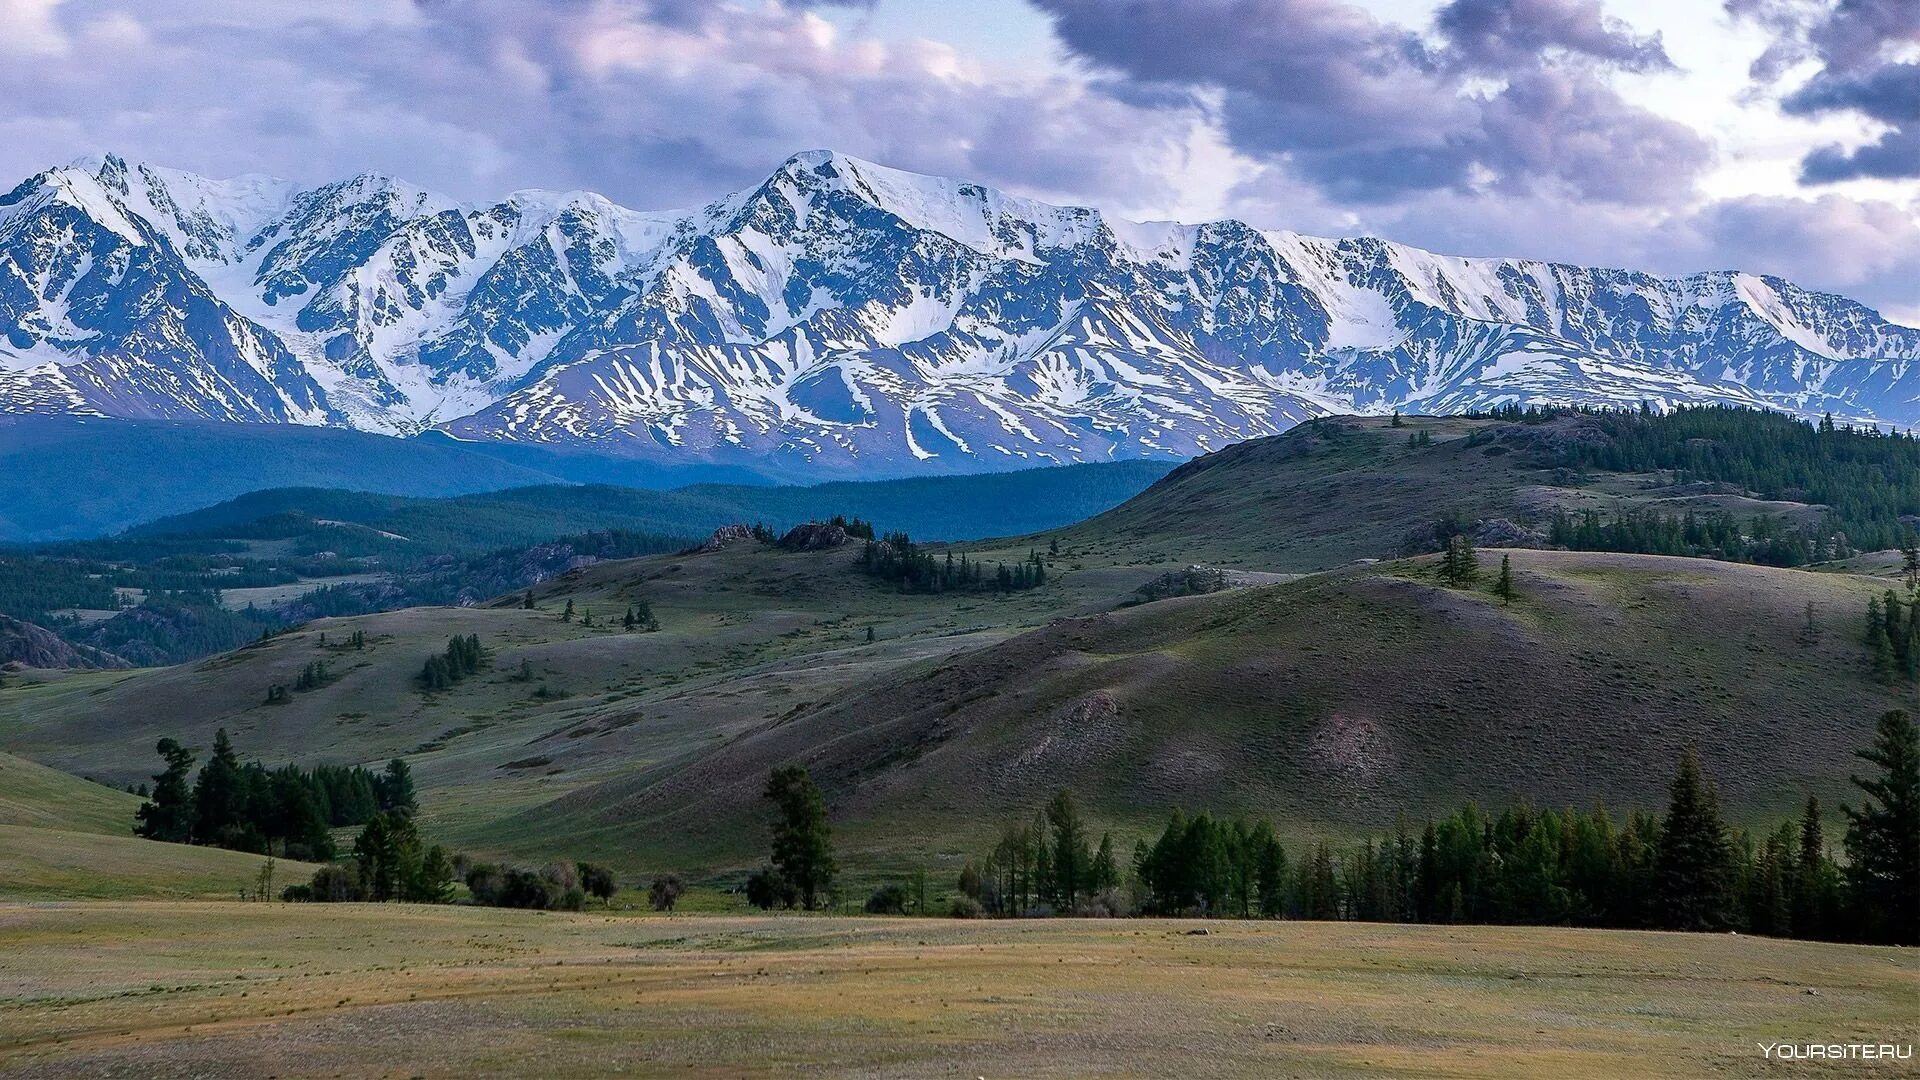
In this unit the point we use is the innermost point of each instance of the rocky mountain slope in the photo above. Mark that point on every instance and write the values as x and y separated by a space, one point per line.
845 317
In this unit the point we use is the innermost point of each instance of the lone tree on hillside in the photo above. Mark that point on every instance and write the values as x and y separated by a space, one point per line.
802 840
1694 868
1503 585
1883 835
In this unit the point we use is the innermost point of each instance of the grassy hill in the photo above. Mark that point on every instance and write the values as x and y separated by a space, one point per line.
63 837
34 796
1330 702
1346 488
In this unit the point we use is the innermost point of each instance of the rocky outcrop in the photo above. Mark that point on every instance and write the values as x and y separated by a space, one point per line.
1192 581
1487 533
36 646
724 535
813 536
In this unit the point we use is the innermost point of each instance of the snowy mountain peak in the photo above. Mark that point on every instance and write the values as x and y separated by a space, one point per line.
843 316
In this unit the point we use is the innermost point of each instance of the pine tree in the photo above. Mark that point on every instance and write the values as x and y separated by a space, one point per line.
395 788
567 615
1503 586
1883 835
168 813
1106 868
218 798
1879 645
527 600
1810 906
1071 862
1270 871
1459 566
1693 881
1910 560
802 839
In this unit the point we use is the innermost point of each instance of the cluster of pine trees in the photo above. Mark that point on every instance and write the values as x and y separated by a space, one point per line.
1046 865
30 587
1893 637
1870 478
1765 540
895 558
856 528
640 617
390 861
286 811
1686 870
462 658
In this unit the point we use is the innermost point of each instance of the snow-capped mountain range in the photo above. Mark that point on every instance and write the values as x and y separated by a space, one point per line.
843 317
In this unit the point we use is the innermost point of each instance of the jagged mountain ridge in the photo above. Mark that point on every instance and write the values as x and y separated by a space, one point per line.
845 317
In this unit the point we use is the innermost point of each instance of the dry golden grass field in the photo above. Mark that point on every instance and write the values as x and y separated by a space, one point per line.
229 989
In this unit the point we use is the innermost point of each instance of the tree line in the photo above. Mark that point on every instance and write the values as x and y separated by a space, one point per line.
1764 540
1685 870
910 567
1893 637
1869 478
287 811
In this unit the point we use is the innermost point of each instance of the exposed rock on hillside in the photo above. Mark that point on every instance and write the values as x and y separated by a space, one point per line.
724 535
36 646
1488 533
813 536
1192 581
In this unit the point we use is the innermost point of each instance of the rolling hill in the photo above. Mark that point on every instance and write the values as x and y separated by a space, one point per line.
1329 703
62 837
1341 692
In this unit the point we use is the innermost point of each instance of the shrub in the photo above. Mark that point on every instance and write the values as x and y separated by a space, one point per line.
599 882
887 900
338 883
486 882
966 907
665 891
767 889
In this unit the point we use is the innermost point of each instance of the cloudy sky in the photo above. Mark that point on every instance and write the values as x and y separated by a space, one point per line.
1674 135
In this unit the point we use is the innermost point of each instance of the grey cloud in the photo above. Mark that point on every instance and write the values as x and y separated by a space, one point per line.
1858 44
1369 111
1502 35
654 102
